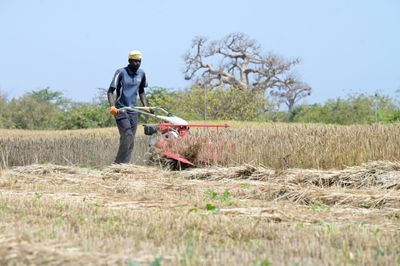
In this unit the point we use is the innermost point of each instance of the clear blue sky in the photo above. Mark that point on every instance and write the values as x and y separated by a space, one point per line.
75 46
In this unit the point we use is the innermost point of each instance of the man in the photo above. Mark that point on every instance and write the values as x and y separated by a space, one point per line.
128 82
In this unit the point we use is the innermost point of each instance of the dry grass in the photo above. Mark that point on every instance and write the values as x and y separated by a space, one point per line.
278 146
244 215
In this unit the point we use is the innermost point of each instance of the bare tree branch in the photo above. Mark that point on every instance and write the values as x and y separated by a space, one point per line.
291 92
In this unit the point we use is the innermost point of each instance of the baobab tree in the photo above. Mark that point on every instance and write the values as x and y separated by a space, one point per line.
236 60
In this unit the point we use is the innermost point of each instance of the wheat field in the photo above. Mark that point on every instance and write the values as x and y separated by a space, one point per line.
278 146
283 195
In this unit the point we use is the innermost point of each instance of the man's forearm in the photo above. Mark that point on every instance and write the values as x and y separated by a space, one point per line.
110 99
143 99
110 96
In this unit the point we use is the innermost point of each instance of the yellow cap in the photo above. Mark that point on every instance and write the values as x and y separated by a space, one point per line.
135 54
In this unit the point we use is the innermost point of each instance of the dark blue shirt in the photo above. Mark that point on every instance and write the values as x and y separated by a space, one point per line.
128 85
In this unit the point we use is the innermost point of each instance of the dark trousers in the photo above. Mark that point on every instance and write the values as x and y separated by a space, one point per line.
127 124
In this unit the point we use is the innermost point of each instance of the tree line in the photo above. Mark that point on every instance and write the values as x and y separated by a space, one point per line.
49 109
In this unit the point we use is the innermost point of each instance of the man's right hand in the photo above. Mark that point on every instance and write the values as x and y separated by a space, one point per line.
148 110
113 110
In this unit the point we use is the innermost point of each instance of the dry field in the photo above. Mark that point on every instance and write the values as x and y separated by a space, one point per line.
287 195
244 215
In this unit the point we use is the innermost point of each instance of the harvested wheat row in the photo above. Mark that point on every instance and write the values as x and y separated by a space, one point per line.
371 185
382 174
